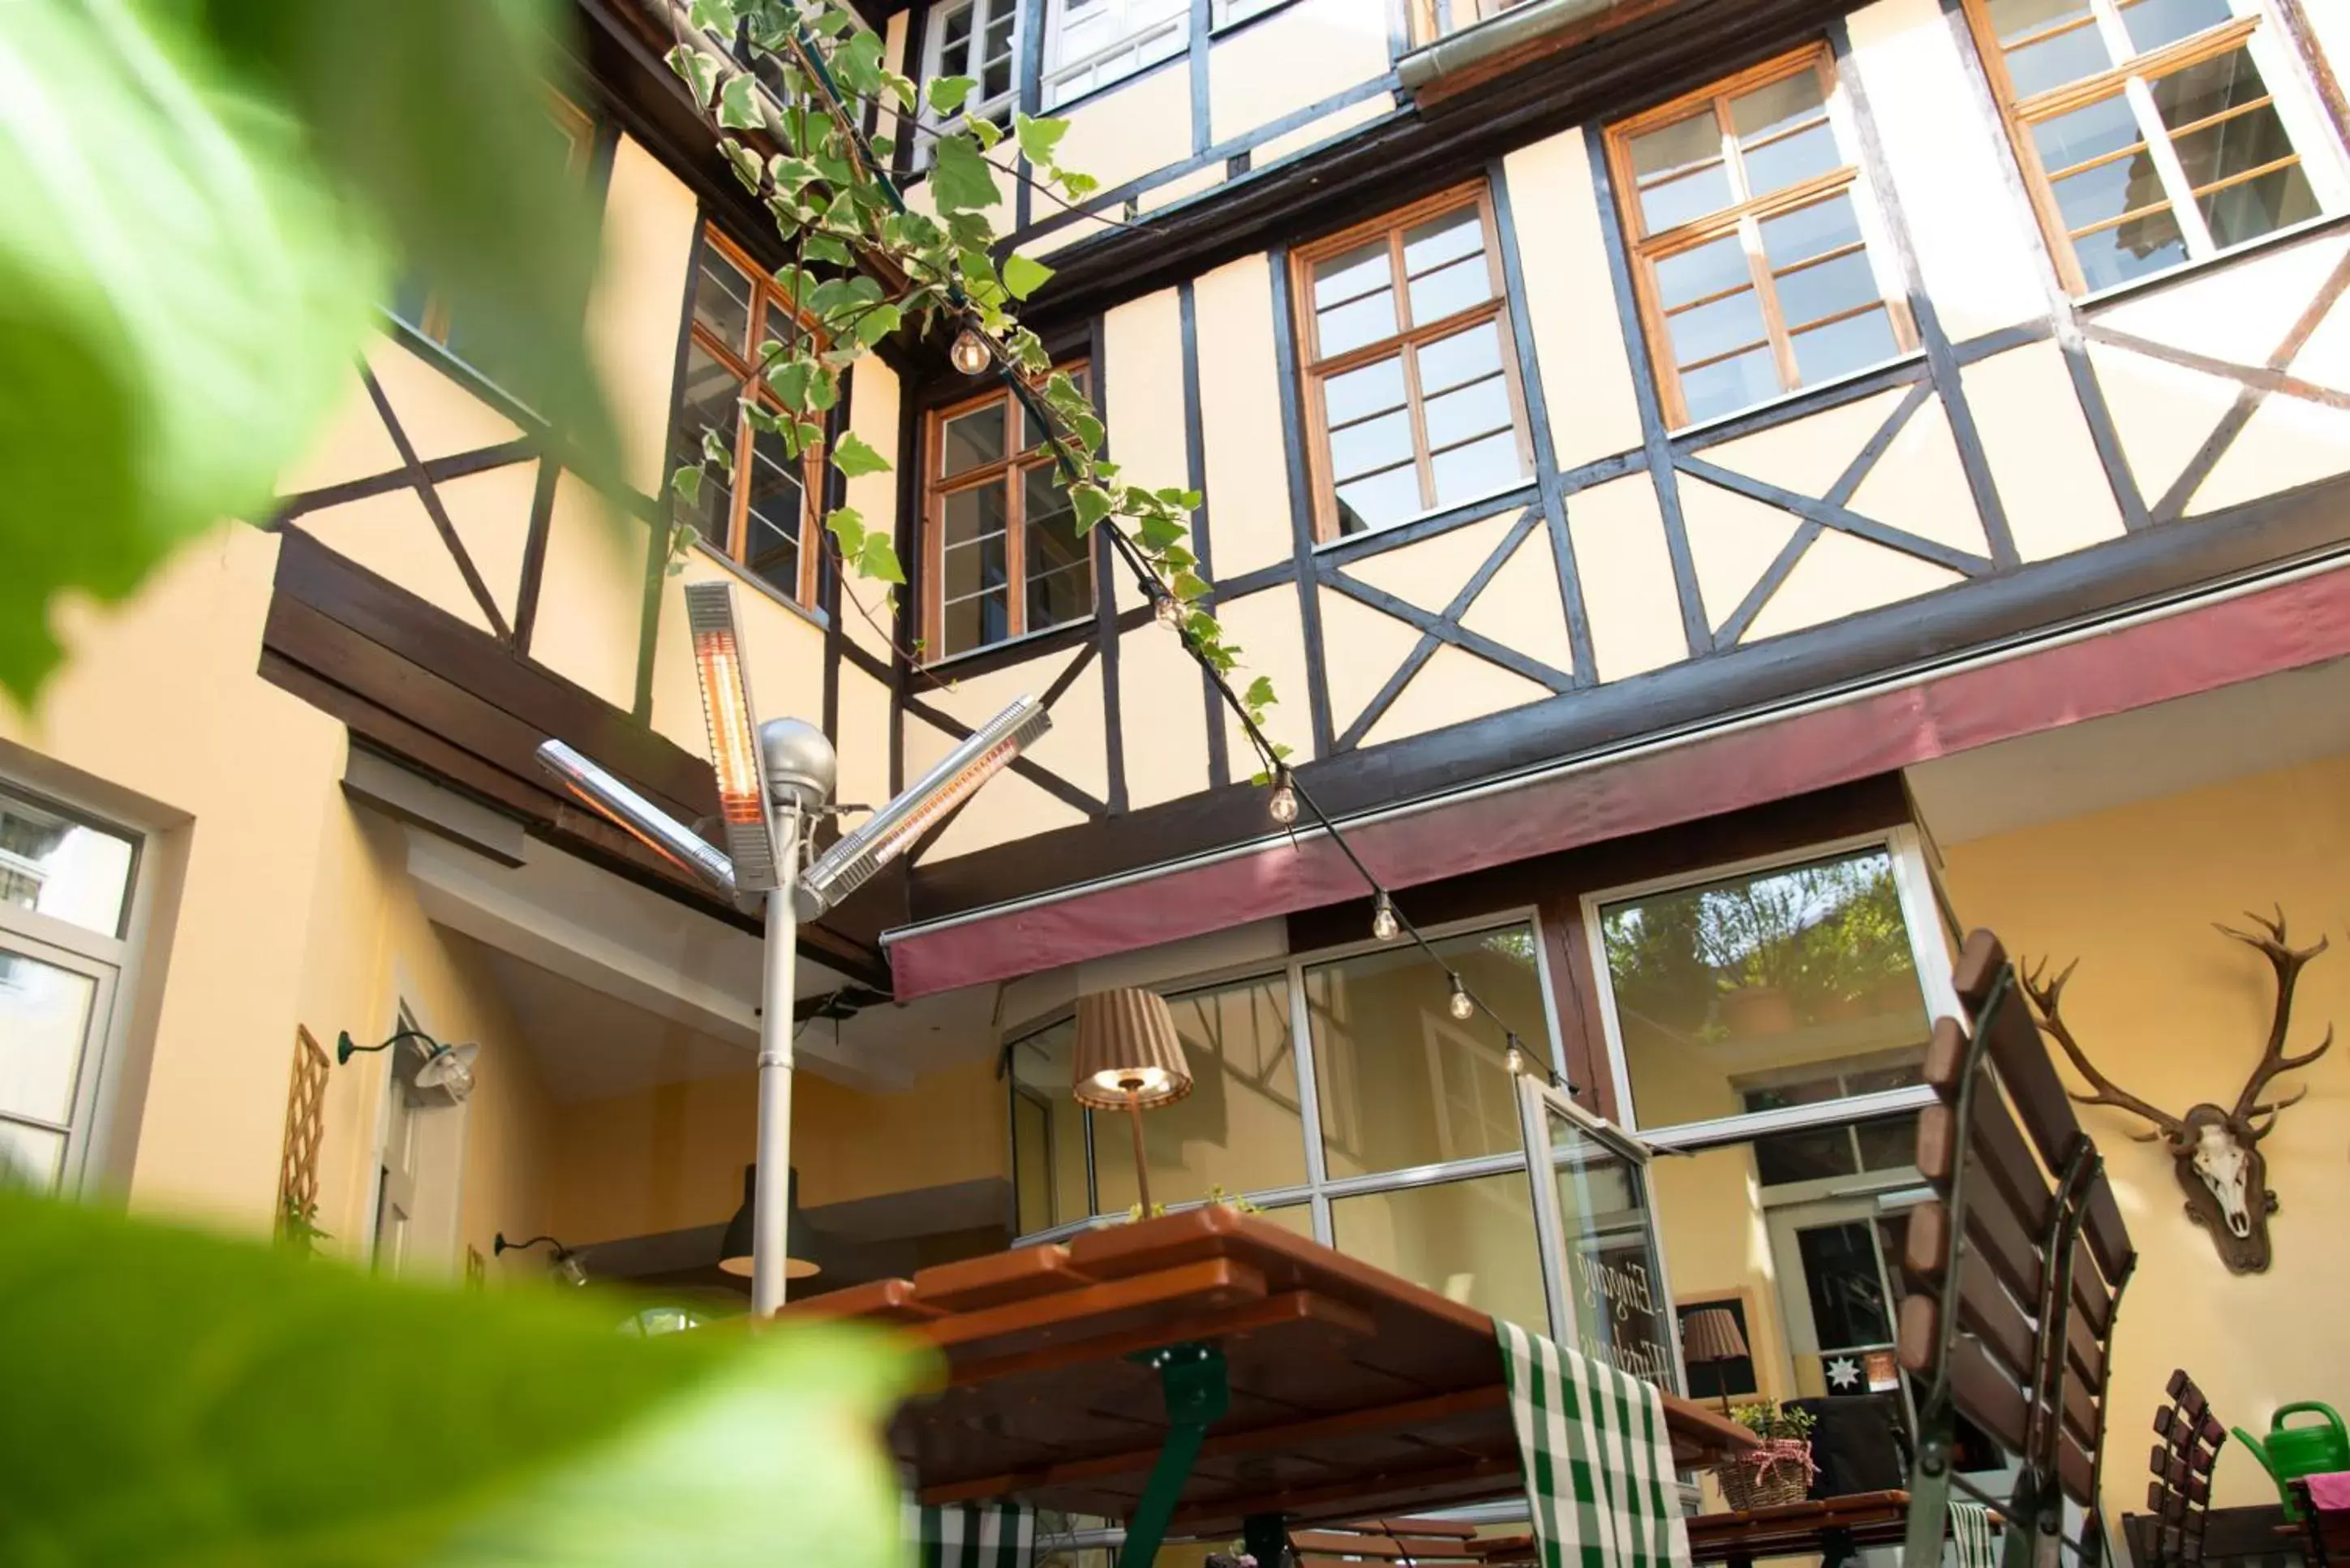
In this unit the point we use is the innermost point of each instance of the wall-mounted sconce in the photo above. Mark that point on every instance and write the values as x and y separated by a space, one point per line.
735 1248
447 1069
563 1266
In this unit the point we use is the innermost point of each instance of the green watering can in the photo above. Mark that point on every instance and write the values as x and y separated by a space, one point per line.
2292 1453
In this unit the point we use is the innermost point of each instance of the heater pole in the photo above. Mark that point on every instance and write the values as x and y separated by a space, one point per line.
771 1209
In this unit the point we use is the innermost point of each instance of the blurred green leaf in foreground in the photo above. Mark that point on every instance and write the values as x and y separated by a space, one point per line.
177 1400
200 202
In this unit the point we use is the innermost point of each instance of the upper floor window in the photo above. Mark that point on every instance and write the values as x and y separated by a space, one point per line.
1002 553
1092 43
759 517
1750 255
1410 379
65 898
2151 132
1433 19
1227 12
979 39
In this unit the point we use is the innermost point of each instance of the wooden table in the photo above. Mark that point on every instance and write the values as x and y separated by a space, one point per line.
1344 1390
1830 1528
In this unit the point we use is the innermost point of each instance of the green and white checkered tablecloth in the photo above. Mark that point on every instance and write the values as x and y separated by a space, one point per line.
972 1535
1600 1485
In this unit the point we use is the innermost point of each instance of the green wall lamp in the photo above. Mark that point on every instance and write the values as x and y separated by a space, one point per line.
448 1068
564 1265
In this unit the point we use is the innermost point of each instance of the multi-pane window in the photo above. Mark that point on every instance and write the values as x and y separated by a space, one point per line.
1092 43
1227 12
2151 131
979 39
1002 554
1754 270
64 896
1432 19
759 515
1411 380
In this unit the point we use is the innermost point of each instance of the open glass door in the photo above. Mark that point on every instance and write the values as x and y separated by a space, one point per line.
1602 1265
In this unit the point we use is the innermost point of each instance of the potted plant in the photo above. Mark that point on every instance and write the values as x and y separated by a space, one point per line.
1779 1468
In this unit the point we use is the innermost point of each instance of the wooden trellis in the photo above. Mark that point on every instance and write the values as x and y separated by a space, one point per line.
305 1127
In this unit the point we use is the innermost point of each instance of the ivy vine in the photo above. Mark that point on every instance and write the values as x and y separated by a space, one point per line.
788 87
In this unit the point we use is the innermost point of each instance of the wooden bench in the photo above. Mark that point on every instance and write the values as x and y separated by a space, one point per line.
1829 1528
1405 1540
2015 1270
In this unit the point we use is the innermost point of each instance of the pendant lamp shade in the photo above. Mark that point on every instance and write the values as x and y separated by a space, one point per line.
734 1248
1127 1039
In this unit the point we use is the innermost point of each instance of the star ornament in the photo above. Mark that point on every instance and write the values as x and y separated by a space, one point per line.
1843 1372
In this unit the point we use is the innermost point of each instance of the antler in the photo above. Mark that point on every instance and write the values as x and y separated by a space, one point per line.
2047 997
2287 960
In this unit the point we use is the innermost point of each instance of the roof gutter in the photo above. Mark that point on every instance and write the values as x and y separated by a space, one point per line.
1463 52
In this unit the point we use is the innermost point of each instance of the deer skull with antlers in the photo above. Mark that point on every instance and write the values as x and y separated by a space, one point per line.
2216 1151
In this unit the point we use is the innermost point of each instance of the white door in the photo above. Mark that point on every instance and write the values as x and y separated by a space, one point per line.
1833 1260
396 1173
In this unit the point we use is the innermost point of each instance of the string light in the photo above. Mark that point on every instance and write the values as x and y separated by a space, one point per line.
1282 806
1460 1006
1168 609
970 353
1516 1058
1383 918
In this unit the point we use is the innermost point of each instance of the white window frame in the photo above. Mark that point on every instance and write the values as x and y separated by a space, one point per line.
1919 912
432 1247
103 959
1229 12
985 14
1140 26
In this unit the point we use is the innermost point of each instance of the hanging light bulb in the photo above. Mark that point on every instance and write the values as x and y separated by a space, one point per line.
1459 1006
1282 804
1169 608
970 353
1516 1057
1383 918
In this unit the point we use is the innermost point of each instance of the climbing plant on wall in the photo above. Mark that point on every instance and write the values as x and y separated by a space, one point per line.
791 87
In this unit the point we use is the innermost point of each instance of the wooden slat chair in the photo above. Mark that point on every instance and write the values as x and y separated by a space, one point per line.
2015 1267
1387 1541
2178 1498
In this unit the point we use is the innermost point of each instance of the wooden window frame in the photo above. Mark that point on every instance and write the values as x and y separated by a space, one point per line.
2131 81
936 487
1743 217
746 371
1315 370
1435 19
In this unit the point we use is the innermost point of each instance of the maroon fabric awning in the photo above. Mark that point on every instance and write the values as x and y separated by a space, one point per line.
2196 649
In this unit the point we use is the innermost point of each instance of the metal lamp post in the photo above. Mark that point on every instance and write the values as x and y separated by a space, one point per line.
774 780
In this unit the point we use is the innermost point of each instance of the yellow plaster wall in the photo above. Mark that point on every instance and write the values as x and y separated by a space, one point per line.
1240 418
1521 607
1310 52
1628 576
158 697
671 1158
1974 248
1267 630
392 535
1841 575
1138 126
1163 722
591 594
873 412
1319 130
2041 454
2178 1014
632 317
1571 301
783 656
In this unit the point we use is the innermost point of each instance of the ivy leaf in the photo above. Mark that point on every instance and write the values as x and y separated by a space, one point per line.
877 323
715 16
206 1377
878 559
961 180
1038 137
848 525
738 104
1159 533
1260 692
855 459
1092 504
947 93
858 63
1186 587
717 451
697 70
825 248
687 484
1024 275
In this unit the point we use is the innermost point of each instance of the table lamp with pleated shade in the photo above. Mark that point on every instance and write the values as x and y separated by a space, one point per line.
1129 1058
1709 1336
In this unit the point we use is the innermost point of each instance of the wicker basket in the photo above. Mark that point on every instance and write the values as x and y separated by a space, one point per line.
1779 1472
